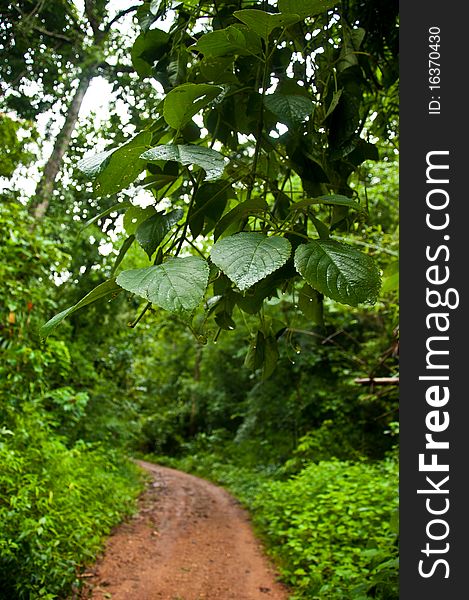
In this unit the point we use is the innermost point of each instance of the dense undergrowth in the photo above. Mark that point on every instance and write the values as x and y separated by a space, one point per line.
61 491
56 505
307 450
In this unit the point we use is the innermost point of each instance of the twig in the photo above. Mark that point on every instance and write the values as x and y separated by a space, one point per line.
119 15
377 380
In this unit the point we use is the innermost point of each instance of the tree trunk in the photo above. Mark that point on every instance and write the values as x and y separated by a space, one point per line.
45 186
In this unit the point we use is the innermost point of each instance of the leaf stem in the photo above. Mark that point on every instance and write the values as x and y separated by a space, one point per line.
260 124
133 324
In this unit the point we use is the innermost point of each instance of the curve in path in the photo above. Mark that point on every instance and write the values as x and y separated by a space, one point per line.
190 540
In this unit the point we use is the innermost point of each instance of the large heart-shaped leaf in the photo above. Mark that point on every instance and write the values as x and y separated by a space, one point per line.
114 170
289 109
210 160
101 291
339 271
263 23
234 40
306 8
249 257
177 285
152 231
185 100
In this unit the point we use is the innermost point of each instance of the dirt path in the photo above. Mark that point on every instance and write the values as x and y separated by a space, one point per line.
190 541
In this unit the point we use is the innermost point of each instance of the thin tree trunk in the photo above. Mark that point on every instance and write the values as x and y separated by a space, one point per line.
45 186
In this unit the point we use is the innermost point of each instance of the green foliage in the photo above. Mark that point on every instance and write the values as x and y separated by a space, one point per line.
39 44
291 110
152 231
332 527
14 145
211 161
277 194
114 170
184 101
267 208
338 271
59 495
305 8
246 258
55 506
176 285
263 23
101 291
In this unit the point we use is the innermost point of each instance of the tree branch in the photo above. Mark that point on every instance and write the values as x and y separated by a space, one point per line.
119 15
52 34
378 380
91 16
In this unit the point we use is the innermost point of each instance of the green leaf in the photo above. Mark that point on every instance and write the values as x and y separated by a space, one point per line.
251 301
310 304
249 257
210 160
151 232
101 291
145 17
157 7
334 102
234 40
391 278
115 208
338 271
225 321
135 216
253 206
122 252
306 8
92 165
209 203
332 200
116 169
263 23
219 69
289 109
147 49
177 285
184 101
262 354
321 228
353 39
124 166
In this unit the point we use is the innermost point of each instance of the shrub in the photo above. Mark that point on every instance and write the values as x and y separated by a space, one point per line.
333 528
56 504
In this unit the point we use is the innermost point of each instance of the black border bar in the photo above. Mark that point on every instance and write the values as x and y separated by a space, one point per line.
434 406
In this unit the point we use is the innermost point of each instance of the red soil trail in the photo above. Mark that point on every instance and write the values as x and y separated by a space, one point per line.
190 540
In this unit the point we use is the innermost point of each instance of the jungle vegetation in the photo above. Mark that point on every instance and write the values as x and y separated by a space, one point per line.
206 276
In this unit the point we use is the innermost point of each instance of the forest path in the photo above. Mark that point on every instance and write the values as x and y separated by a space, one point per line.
190 540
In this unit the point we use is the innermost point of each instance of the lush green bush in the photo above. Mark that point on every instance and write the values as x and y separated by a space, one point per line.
56 504
332 527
